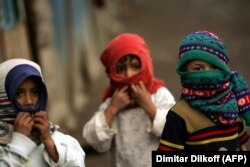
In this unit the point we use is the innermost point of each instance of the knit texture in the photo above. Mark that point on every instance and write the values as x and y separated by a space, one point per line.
221 94
205 46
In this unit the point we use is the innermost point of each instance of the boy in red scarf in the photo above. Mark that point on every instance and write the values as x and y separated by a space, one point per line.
135 104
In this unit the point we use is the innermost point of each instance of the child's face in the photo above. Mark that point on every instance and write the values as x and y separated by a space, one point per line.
128 66
197 65
27 93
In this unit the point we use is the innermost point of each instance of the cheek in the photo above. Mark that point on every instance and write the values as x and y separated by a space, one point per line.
135 72
20 100
35 99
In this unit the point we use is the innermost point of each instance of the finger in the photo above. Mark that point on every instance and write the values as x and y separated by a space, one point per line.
133 87
37 126
141 85
31 122
37 119
23 117
123 89
116 92
40 113
41 126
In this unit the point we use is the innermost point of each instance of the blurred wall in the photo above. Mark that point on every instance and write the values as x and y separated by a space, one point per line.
64 38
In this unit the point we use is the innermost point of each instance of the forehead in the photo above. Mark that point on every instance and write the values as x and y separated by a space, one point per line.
29 81
128 57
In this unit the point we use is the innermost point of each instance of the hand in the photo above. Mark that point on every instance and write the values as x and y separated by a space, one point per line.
120 99
42 124
23 123
143 98
141 95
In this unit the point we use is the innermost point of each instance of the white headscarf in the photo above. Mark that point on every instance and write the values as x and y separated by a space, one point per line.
6 111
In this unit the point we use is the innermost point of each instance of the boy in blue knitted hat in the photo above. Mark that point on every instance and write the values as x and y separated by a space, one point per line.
215 102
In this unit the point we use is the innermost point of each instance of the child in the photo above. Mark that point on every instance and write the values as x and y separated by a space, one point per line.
214 104
132 115
28 137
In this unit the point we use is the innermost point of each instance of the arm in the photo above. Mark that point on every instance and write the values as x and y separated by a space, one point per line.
97 132
41 122
173 136
119 101
59 149
70 152
243 135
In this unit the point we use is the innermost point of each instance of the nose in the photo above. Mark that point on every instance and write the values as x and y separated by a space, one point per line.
28 99
129 72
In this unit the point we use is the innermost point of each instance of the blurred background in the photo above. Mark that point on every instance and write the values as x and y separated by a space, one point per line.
66 38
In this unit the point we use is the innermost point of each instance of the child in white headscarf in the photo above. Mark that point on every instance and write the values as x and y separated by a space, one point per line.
27 136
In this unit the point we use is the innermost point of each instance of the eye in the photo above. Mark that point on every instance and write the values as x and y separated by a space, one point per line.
135 64
19 93
120 69
197 69
35 91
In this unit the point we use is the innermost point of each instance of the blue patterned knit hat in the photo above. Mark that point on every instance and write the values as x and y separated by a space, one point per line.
204 46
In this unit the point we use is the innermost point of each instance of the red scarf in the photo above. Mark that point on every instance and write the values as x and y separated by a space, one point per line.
123 45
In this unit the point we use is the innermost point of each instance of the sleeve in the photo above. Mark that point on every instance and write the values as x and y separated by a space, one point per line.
96 131
243 135
17 151
69 150
174 134
163 101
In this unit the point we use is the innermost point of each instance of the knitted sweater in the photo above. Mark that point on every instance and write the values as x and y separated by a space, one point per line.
187 128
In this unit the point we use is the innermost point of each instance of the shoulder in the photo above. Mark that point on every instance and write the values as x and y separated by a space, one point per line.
163 92
183 109
193 117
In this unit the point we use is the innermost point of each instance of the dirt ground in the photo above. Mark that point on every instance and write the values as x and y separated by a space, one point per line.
163 23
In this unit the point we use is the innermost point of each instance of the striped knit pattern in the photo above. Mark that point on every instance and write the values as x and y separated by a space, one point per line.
6 111
206 139
206 42
187 128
